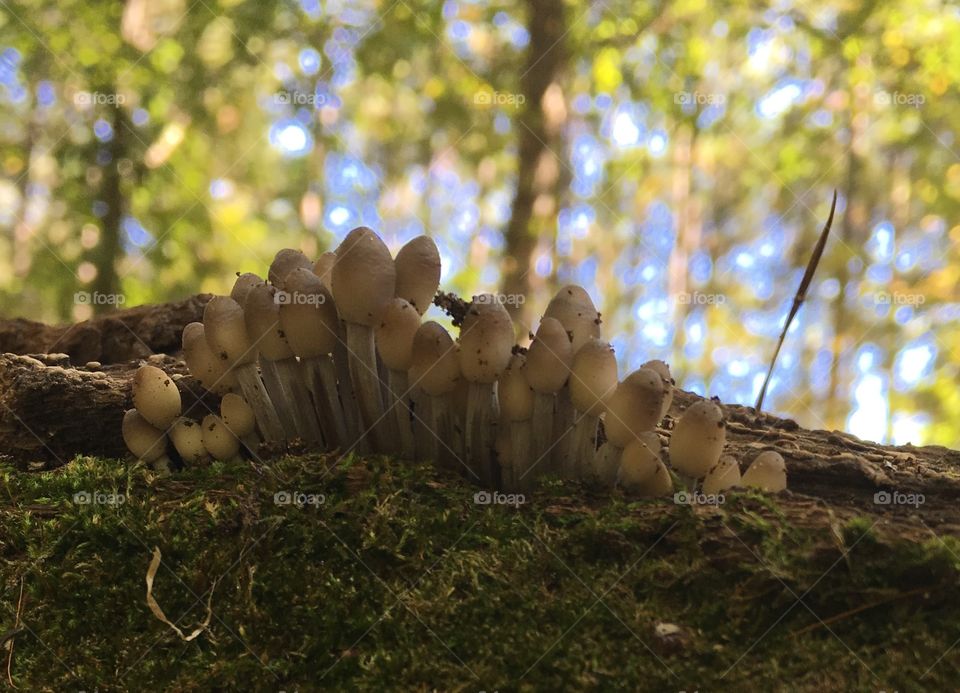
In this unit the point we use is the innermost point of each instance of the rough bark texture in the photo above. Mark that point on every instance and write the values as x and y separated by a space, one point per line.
112 338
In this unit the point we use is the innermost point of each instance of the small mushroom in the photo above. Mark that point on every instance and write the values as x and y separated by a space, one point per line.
593 378
434 372
187 438
145 441
573 307
209 370
767 472
663 370
399 322
658 485
284 262
242 286
697 439
547 370
634 406
156 397
723 475
418 272
218 439
640 462
516 409
239 418
323 268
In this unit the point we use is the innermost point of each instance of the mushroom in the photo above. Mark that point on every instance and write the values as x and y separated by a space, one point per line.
658 485
767 472
723 475
434 372
146 442
226 334
284 262
697 439
218 439
242 286
486 342
593 377
311 326
323 268
547 371
633 408
156 397
211 372
639 463
574 309
418 272
281 372
239 418
364 280
399 322
663 370
516 410
187 438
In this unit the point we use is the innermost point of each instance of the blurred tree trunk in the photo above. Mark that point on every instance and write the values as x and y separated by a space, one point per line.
107 251
541 166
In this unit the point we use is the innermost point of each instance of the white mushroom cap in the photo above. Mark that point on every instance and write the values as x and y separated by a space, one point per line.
549 357
514 392
210 371
724 474
574 309
663 370
323 268
399 322
187 437
593 377
244 283
634 407
486 340
657 486
156 397
364 277
767 472
226 331
639 462
146 442
284 262
261 313
218 439
237 415
435 368
418 272
309 320
697 439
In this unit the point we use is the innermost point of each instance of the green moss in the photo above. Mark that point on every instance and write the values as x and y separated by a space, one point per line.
398 580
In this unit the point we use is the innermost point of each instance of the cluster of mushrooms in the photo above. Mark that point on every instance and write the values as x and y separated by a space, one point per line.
334 354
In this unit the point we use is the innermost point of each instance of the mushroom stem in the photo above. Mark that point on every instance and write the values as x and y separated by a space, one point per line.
256 394
279 393
606 464
362 358
398 406
479 428
428 442
584 447
304 413
563 453
521 446
348 399
543 443
451 433
321 377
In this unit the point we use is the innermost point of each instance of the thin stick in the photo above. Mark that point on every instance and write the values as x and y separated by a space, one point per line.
584 447
348 400
362 357
398 405
799 297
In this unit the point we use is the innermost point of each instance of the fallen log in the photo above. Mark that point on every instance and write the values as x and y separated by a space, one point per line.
115 337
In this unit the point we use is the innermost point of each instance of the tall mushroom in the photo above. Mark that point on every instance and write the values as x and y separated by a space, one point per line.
593 377
516 409
399 322
633 408
226 333
311 326
418 272
486 343
697 439
435 371
281 372
364 280
663 370
547 370
284 262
